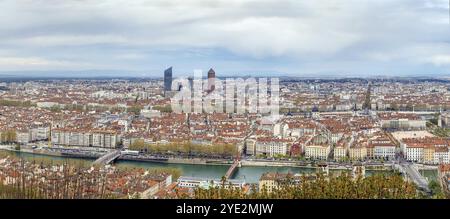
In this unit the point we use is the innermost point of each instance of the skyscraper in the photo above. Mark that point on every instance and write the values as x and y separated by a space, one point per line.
168 79
191 82
211 80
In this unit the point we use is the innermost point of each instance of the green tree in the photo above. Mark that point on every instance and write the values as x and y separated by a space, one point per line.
136 109
436 189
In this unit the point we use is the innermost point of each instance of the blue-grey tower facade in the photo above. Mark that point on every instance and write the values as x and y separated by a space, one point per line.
168 79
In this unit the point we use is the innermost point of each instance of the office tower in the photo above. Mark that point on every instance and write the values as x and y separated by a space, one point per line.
211 80
168 79
191 82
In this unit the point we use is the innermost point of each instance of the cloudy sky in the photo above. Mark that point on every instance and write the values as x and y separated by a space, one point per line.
287 37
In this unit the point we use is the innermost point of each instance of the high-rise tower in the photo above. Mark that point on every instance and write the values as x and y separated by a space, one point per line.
211 80
168 79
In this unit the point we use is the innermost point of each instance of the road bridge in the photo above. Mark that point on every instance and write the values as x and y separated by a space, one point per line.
413 174
232 169
107 158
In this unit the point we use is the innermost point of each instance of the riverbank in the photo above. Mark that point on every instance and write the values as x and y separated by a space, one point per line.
249 173
50 153
202 161
193 161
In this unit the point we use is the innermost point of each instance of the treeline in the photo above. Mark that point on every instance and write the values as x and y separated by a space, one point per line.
48 161
377 186
185 148
175 172
71 107
136 109
73 182
86 163
441 132
86 108
8 136
163 109
16 103
15 192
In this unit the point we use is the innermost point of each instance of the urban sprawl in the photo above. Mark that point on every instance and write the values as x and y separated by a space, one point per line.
350 124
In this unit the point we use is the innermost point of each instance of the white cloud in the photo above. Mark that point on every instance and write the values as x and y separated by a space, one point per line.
18 61
301 31
130 56
440 60
37 63
439 4
68 40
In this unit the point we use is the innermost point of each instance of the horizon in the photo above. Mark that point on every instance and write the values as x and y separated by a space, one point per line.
152 74
118 74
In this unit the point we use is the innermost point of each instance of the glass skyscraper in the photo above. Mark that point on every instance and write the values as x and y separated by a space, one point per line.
168 79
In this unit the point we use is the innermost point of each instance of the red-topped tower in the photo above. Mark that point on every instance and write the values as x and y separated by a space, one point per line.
211 80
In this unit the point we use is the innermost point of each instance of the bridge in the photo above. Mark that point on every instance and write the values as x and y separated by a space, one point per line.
232 169
107 158
413 173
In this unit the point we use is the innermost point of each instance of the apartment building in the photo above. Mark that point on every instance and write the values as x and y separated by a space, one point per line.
441 155
358 152
296 128
272 146
271 181
428 150
318 148
340 152
428 155
414 152
341 148
23 136
382 147
39 133
85 138
67 137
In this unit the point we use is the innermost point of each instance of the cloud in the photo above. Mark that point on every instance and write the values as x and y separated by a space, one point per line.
292 35
437 4
441 60
24 61
130 56
68 40
37 63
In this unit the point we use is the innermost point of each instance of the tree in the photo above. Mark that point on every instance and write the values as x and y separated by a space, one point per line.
138 145
186 149
55 108
321 187
8 136
136 109
163 109
436 189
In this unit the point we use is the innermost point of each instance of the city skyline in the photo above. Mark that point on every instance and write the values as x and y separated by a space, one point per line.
392 126
258 38
224 107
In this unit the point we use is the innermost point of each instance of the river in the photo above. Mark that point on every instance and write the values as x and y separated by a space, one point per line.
247 173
